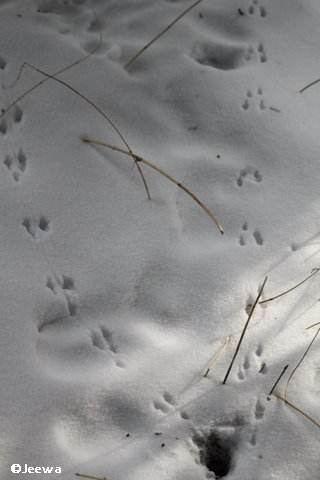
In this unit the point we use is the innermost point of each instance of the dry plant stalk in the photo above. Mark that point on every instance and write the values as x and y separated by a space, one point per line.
278 380
100 111
90 477
314 271
301 361
217 355
313 325
44 80
244 331
138 158
309 85
315 422
154 39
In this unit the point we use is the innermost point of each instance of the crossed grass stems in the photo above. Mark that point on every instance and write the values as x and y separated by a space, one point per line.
138 161
126 149
281 397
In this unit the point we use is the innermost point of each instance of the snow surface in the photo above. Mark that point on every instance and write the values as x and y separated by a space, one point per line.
113 305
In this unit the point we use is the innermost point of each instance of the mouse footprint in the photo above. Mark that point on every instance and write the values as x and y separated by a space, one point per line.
254 99
102 338
257 53
244 235
3 63
165 404
258 414
16 164
259 410
249 174
64 287
255 8
252 363
8 120
37 228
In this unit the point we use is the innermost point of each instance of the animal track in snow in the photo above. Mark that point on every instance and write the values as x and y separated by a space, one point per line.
16 165
259 350
102 338
165 404
258 237
256 53
37 228
3 63
74 17
3 126
252 99
227 56
256 9
256 99
218 55
249 173
17 114
259 410
97 25
64 286
256 234
184 415
253 438
253 362
15 117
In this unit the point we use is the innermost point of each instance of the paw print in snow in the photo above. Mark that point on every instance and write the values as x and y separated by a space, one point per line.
258 52
64 286
256 235
37 228
16 165
256 9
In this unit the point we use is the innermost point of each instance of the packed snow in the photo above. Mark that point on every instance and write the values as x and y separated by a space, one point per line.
120 315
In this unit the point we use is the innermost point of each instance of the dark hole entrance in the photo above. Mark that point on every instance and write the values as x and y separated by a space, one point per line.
216 453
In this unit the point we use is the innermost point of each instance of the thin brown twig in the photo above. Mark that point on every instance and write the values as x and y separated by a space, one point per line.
315 422
313 325
278 380
100 111
313 272
309 85
301 361
216 356
44 80
86 99
138 158
244 331
90 477
154 39
143 179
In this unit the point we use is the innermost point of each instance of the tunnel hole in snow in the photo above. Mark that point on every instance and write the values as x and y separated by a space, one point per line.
216 452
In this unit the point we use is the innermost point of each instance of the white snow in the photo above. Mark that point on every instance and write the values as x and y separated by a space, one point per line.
113 305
